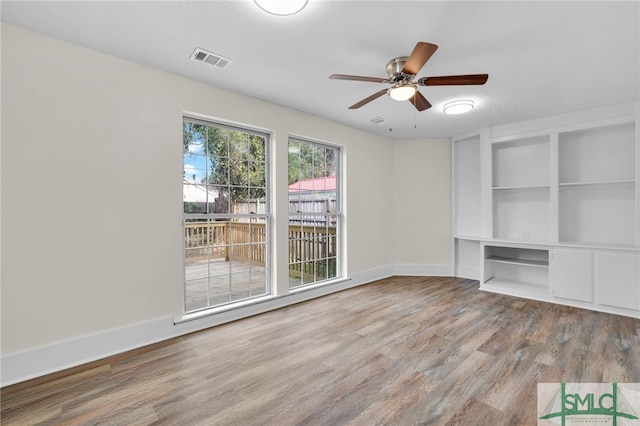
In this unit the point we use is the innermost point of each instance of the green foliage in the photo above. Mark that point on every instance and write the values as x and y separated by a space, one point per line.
236 161
310 161
190 207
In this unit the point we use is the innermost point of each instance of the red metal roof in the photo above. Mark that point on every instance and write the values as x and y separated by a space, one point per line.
318 184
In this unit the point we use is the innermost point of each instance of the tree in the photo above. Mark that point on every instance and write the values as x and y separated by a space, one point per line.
310 161
236 162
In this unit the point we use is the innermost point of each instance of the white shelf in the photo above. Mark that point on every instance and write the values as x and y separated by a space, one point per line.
597 183
523 187
517 288
468 237
522 262
497 282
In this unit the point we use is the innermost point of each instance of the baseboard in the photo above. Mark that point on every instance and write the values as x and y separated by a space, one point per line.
33 363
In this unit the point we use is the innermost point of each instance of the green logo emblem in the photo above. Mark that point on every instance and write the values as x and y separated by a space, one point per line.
588 403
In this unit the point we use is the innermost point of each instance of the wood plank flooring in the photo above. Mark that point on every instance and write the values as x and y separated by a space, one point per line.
400 351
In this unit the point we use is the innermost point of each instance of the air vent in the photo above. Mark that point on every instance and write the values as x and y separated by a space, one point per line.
377 120
218 61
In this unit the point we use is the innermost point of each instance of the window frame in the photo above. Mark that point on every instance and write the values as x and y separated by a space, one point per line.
265 219
338 213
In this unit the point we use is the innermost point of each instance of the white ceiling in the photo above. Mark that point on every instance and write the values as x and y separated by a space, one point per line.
542 58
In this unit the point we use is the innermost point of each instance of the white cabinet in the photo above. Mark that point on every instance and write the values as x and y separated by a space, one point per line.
550 208
617 276
572 274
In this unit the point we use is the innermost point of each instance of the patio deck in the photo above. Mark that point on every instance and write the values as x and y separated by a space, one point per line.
219 281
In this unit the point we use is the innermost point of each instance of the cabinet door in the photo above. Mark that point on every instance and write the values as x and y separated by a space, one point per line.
572 274
617 278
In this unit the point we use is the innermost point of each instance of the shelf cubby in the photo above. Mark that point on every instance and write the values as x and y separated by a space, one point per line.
598 155
522 213
508 269
521 162
598 213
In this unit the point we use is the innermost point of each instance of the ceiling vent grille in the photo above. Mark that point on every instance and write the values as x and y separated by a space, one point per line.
218 61
377 120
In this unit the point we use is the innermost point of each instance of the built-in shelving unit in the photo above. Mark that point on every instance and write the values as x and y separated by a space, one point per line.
548 208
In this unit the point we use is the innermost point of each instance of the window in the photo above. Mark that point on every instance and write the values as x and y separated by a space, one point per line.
314 213
226 214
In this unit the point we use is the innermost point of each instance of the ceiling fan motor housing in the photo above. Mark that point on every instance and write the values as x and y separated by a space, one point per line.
394 69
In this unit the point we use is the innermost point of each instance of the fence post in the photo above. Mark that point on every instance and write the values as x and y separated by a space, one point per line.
227 241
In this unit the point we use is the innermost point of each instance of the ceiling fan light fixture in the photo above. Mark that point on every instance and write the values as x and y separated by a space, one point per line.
281 7
459 106
402 91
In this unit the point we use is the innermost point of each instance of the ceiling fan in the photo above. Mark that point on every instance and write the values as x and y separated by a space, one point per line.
401 72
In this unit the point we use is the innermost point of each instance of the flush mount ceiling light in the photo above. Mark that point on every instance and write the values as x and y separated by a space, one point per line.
459 106
402 91
281 7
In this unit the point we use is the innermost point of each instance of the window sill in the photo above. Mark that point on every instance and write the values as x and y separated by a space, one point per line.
225 308
204 313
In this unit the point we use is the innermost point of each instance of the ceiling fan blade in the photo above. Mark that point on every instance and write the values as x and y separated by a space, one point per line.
454 80
358 78
369 99
420 102
420 55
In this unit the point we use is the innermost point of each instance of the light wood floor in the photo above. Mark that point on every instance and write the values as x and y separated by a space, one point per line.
401 351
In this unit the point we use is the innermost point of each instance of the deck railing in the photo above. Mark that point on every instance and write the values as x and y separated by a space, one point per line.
244 242
312 251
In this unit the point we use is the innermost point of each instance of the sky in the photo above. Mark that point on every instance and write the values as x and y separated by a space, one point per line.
195 162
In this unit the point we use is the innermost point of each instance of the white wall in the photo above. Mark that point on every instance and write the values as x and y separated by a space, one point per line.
91 196
422 207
